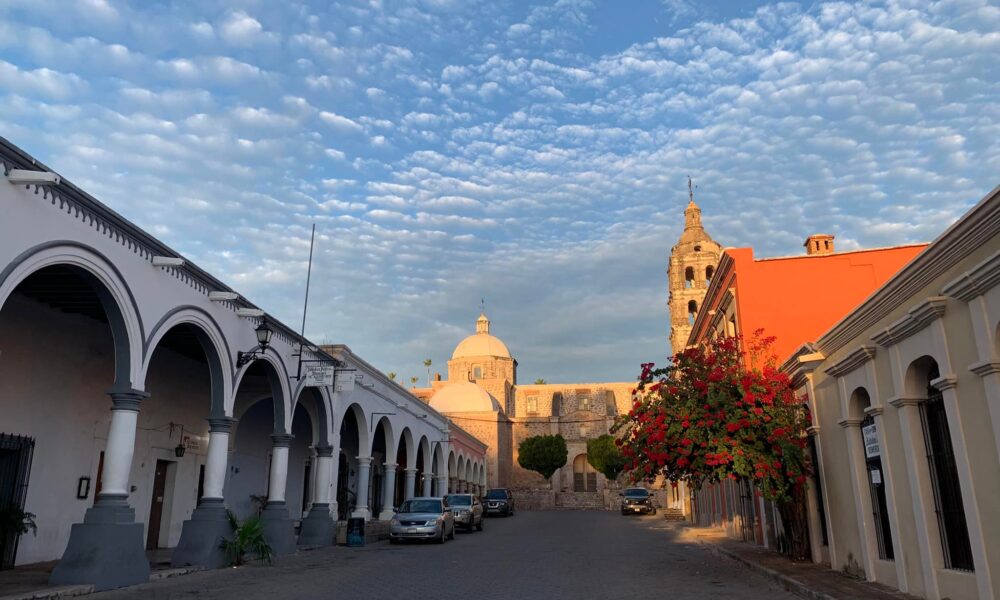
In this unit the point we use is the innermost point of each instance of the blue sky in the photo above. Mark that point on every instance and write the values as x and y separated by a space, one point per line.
534 154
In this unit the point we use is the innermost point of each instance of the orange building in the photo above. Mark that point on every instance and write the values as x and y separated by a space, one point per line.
794 298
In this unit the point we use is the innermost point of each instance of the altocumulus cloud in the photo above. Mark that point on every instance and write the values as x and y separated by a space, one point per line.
534 155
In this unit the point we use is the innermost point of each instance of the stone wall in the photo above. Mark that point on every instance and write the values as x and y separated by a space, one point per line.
528 499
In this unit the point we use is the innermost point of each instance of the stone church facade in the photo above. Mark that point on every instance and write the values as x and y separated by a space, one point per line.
693 261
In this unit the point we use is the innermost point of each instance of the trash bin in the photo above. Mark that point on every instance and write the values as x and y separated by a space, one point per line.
356 531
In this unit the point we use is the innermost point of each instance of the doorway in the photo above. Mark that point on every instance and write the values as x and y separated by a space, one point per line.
156 503
15 466
584 475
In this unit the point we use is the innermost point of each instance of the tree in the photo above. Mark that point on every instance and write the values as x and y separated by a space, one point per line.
540 381
428 363
544 454
720 411
413 381
603 454
392 375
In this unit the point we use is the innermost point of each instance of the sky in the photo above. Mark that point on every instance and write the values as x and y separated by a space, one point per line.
532 154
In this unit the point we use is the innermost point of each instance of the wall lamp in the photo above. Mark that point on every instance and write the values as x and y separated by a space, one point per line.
19 176
263 333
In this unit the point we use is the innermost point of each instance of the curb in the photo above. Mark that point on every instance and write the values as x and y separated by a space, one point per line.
59 592
789 583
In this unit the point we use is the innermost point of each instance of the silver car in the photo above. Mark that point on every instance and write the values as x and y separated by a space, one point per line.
467 509
423 519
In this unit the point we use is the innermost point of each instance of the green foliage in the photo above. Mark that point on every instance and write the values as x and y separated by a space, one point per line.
540 381
544 454
15 522
248 540
603 454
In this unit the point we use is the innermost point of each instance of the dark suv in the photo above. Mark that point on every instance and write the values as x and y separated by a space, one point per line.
499 501
637 500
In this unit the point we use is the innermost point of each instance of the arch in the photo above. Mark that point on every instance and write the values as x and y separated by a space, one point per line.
916 378
689 277
438 465
459 472
273 369
859 401
424 448
107 282
452 465
212 342
406 442
390 437
584 475
692 311
709 272
315 403
357 414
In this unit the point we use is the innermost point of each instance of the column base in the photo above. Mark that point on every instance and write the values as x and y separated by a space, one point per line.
317 527
202 535
279 530
106 550
362 513
386 515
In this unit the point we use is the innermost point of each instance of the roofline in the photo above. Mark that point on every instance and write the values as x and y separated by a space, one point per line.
846 252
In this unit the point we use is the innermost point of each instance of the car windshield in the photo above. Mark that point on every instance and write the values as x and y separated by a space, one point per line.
497 494
636 493
421 506
460 500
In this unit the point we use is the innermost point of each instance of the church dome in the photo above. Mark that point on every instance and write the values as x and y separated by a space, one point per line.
463 396
481 343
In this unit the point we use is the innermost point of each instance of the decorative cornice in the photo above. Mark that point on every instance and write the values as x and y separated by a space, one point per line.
845 423
945 382
972 231
917 318
813 430
127 399
323 451
875 411
976 281
281 440
901 401
221 424
985 368
852 361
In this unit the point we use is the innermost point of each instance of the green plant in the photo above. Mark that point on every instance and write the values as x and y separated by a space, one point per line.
15 521
539 381
603 454
248 540
544 454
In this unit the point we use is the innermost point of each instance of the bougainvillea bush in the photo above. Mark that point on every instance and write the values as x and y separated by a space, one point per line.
722 411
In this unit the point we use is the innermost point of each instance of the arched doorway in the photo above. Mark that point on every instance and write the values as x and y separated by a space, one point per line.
584 475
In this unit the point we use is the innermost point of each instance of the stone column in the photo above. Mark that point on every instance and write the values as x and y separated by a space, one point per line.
107 549
865 521
317 526
442 485
202 534
388 492
426 484
364 467
411 482
279 529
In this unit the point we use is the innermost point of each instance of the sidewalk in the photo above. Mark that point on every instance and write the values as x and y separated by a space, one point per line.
804 579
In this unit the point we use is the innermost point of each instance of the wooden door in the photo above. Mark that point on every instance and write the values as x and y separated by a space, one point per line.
156 505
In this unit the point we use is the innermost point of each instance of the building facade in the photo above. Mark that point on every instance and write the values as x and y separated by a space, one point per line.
131 423
905 392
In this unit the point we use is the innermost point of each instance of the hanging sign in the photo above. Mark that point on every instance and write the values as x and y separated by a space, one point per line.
870 435
318 374
345 383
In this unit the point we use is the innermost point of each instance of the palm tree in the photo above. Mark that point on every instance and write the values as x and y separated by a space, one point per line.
392 375
427 363
413 381
539 381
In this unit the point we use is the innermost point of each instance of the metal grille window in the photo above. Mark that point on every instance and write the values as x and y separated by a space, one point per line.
15 466
819 491
944 479
876 485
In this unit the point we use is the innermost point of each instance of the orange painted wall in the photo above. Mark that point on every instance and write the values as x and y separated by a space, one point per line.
798 298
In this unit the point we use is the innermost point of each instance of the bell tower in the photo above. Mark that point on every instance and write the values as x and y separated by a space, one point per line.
693 261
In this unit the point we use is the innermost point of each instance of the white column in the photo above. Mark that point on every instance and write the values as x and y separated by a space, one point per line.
411 482
334 479
324 476
279 467
121 446
388 492
426 484
865 521
442 486
364 467
217 460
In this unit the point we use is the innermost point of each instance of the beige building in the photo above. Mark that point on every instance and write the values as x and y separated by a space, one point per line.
482 396
693 262
905 393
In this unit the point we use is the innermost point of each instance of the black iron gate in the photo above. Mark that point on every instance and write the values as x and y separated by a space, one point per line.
15 466
747 512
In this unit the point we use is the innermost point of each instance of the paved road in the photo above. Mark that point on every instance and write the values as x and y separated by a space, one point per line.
534 555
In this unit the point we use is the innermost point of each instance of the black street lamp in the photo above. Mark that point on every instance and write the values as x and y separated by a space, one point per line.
263 333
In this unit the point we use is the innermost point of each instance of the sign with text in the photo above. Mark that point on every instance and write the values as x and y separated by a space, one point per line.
870 435
318 374
345 383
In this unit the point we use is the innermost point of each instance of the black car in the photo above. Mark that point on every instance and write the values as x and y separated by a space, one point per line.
637 500
499 501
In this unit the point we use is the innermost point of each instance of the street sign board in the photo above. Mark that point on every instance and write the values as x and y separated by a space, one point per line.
318 374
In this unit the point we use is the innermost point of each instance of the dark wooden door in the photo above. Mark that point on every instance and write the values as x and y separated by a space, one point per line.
156 505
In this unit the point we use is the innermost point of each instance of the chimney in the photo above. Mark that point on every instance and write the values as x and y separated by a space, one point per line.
819 244
437 377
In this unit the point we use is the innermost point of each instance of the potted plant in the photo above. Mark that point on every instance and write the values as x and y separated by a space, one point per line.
248 541
14 522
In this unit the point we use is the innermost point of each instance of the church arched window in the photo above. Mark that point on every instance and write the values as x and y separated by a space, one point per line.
692 311
689 277
709 271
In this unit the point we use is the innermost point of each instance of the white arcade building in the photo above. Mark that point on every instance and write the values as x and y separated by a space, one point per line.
128 423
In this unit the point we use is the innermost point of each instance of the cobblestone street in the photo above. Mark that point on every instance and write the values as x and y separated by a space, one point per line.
551 555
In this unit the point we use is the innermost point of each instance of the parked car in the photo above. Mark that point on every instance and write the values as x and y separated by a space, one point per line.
637 500
499 501
423 519
467 510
